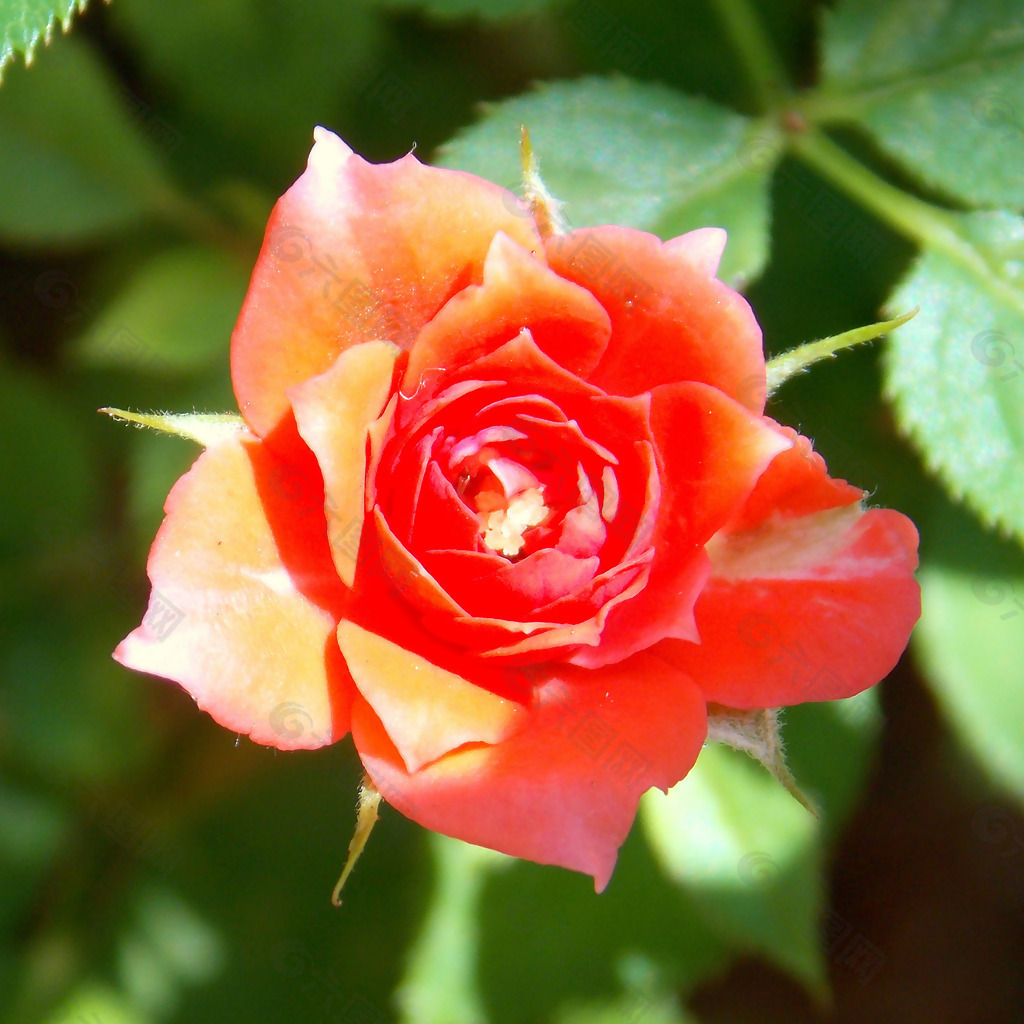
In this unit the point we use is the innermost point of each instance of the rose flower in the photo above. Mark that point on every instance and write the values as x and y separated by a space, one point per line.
506 507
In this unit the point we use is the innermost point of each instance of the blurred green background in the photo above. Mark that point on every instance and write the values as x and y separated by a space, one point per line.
865 156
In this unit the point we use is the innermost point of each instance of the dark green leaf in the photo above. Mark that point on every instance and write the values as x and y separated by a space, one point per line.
254 76
176 314
73 165
31 830
489 9
41 509
641 935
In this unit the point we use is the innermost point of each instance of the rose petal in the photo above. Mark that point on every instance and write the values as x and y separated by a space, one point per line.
518 588
387 604
670 320
442 520
355 252
663 607
713 451
808 608
426 710
796 483
333 412
435 606
521 360
245 600
564 788
703 248
518 292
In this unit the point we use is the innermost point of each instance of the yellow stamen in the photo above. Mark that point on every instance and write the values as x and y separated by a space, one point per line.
504 528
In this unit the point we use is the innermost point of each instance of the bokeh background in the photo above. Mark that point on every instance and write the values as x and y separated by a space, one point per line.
865 156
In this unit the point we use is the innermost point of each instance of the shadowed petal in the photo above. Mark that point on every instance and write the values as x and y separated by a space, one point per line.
334 412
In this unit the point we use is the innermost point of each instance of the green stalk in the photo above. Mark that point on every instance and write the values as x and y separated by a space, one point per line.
796 360
756 52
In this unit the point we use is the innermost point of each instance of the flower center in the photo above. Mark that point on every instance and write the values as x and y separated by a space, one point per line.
504 527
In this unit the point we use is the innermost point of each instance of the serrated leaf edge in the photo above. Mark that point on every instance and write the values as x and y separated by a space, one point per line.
10 51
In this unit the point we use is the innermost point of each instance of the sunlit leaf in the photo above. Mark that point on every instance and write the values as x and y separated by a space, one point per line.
956 371
620 152
440 984
24 24
94 1002
970 642
940 85
749 856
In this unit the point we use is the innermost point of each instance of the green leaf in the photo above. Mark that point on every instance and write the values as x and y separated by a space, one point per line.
491 10
175 314
649 996
42 510
830 748
65 692
249 79
93 1001
32 828
940 85
168 948
440 984
749 856
72 164
621 152
970 642
956 371
642 936
26 23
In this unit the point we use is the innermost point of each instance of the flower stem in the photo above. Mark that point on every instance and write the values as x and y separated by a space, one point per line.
930 227
911 217
796 360
756 52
